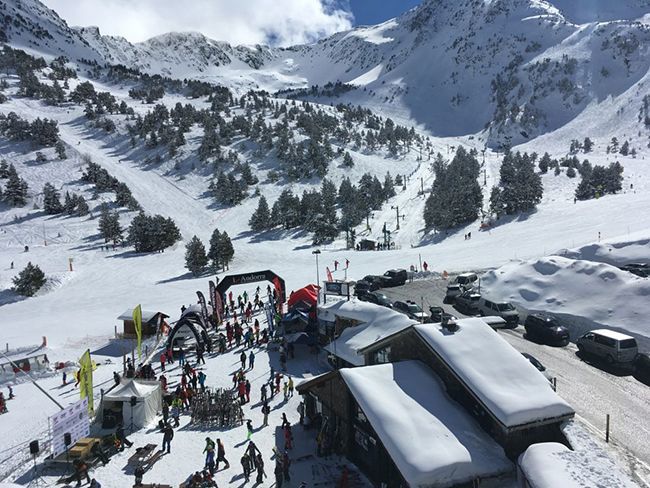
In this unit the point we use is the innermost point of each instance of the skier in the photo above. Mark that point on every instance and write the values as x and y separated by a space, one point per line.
290 386
259 465
116 378
246 466
221 455
285 420
165 411
425 265
301 412
265 411
209 451
202 377
168 435
288 438
263 393
278 473
181 357
251 360
242 358
248 391
249 429
286 462
285 390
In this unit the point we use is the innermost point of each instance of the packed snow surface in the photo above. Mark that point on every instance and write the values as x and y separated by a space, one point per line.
505 381
431 439
377 323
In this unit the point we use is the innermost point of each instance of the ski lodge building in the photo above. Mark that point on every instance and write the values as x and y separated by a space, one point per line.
151 321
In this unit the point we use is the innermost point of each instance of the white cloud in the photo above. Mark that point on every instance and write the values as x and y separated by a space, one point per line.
282 22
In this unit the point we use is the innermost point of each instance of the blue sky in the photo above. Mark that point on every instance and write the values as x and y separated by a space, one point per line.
376 11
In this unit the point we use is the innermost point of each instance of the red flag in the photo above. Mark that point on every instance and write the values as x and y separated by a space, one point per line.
329 274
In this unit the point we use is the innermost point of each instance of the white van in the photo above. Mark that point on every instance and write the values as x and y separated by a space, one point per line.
504 310
466 279
609 345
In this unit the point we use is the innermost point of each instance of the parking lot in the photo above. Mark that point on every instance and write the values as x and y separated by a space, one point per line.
588 387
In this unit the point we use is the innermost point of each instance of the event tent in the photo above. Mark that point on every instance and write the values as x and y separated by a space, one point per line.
146 395
304 298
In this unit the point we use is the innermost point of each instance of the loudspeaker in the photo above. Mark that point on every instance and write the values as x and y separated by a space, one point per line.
67 439
134 400
33 448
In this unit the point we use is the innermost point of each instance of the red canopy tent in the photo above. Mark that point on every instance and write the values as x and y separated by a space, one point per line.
304 298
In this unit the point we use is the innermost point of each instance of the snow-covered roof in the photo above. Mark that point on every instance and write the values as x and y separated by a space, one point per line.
431 439
147 315
553 465
612 334
132 388
377 323
504 380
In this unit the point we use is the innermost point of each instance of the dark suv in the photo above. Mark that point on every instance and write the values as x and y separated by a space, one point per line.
376 297
546 329
367 284
394 277
411 309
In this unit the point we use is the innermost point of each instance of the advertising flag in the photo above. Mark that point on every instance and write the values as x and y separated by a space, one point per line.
137 322
204 307
329 275
86 380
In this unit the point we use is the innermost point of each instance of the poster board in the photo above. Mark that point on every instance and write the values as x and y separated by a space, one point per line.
73 419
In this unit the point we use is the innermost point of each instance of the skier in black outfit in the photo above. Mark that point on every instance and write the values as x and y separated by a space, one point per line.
168 435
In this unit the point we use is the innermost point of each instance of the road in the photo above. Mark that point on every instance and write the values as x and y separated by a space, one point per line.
591 391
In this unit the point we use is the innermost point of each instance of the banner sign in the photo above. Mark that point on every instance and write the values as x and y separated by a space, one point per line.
204 308
137 322
337 288
268 308
216 301
73 419
86 380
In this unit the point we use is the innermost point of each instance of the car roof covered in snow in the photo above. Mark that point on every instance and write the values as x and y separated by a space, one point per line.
431 438
612 334
553 465
502 379
376 323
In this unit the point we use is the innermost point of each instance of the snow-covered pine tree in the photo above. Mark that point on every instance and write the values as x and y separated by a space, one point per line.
261 218
15 193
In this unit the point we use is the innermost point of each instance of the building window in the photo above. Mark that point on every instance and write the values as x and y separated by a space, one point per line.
382 356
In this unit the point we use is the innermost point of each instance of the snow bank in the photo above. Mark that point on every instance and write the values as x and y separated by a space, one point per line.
437 443
551 465
615 253
598 292
504 380
377 323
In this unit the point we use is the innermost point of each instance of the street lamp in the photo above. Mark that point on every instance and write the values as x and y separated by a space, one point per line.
317 253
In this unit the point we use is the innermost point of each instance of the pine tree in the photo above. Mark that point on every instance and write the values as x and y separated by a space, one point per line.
109 225
587 145
82 206
625 148
389 188
69 203
51 200
328 202
261 218
214 253
4 169
227 249
195 257
544 163
348 162
247 174
15 193
60 150
29 280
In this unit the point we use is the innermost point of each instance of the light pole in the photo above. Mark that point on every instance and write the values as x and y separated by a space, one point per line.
317 253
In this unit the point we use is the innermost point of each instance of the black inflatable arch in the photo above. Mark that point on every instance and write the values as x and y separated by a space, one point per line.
243 279
195 317
184 322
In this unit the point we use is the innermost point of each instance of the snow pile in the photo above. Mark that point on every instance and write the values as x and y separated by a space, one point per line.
505 381
431 439
377 323
599 292
614 253
550 465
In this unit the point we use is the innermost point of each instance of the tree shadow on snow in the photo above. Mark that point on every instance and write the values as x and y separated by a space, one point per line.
186 276
9 296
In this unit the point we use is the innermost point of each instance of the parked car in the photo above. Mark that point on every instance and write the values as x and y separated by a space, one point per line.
546 329
437 314
394 277
505 310
467 302
376 297
466 280
453 290
642 367
614 347
411 309
367 284
639 269
539 366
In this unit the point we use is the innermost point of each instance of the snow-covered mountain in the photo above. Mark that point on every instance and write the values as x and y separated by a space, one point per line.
518 68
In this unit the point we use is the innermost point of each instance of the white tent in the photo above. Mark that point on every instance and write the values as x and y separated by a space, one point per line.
147 397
